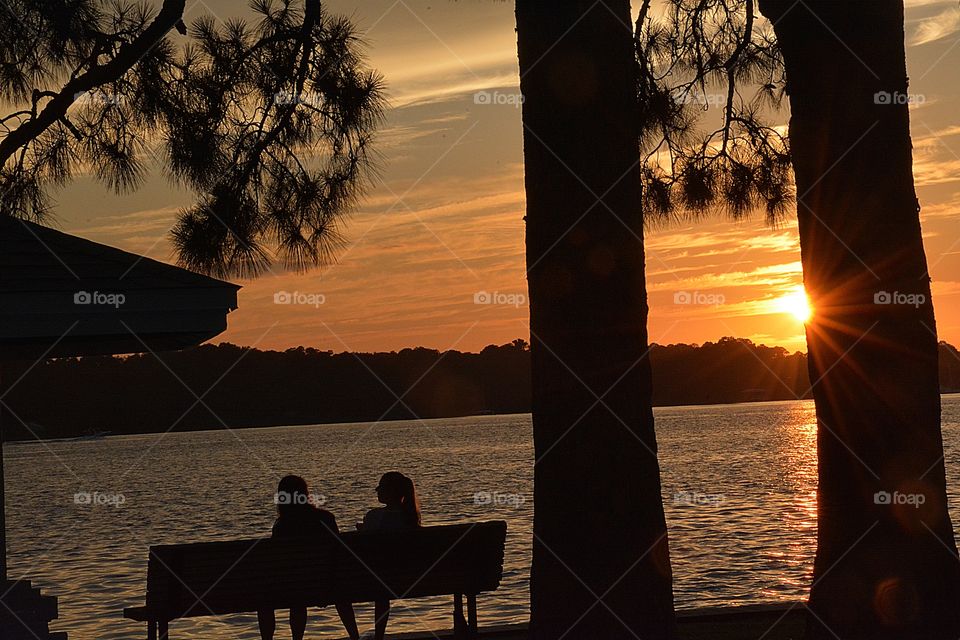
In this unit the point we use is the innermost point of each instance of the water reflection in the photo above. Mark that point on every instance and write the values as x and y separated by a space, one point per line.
757 543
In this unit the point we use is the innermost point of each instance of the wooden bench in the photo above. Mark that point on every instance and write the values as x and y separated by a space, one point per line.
241 576
25 613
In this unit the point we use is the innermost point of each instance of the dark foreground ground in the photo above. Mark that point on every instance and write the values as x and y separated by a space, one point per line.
766 622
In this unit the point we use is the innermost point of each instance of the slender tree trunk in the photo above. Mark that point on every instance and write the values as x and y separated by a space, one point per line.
886 564
601 564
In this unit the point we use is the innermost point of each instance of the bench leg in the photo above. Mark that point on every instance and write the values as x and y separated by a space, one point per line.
152 630
472 614
164 630
459 624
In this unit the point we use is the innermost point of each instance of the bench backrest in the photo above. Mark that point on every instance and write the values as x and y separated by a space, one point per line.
245 575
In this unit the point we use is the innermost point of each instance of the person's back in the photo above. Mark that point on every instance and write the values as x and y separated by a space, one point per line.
305 522
388 519
299 520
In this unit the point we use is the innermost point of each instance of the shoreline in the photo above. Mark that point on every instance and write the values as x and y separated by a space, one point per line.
396 420
358 422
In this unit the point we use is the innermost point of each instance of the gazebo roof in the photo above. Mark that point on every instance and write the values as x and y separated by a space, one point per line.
61 295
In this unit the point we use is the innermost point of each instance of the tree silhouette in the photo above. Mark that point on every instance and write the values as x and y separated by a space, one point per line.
884 568
874 366
601 565
264 388
270 123
697 55
589 354
881 571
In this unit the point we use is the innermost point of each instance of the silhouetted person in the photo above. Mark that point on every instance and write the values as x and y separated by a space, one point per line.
298 519
401 511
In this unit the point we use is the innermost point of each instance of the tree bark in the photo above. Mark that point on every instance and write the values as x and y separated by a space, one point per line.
886 565
601 565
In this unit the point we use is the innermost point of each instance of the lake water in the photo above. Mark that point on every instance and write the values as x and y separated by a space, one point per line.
739 488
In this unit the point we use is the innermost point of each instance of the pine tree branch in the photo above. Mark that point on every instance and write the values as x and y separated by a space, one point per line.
129 55
310 19
731 68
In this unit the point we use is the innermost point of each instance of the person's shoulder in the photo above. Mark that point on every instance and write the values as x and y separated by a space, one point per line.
373 517
326 518
288 527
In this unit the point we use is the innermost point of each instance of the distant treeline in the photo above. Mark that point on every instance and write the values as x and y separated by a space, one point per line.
212 386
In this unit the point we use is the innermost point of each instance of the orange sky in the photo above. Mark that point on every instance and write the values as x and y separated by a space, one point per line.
444 223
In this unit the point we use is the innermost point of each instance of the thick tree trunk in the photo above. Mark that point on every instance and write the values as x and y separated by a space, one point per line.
886 564
601 564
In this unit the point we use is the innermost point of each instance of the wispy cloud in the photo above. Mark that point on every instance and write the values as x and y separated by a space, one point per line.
937 27
912 4
931 171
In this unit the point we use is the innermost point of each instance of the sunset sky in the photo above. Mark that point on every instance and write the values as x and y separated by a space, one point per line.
444 222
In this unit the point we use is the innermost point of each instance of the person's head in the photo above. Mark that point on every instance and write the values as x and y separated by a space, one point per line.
292 494
397 490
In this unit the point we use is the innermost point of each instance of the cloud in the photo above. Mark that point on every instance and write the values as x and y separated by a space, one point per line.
946 207
393 138
913 4
408 277
934 160
144 232
942 289
937 27
929 171
429 90
936 136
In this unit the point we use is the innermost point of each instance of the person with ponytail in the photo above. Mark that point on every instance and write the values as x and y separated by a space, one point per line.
401 511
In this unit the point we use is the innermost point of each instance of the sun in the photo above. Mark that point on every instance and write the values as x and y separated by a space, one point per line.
796 303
